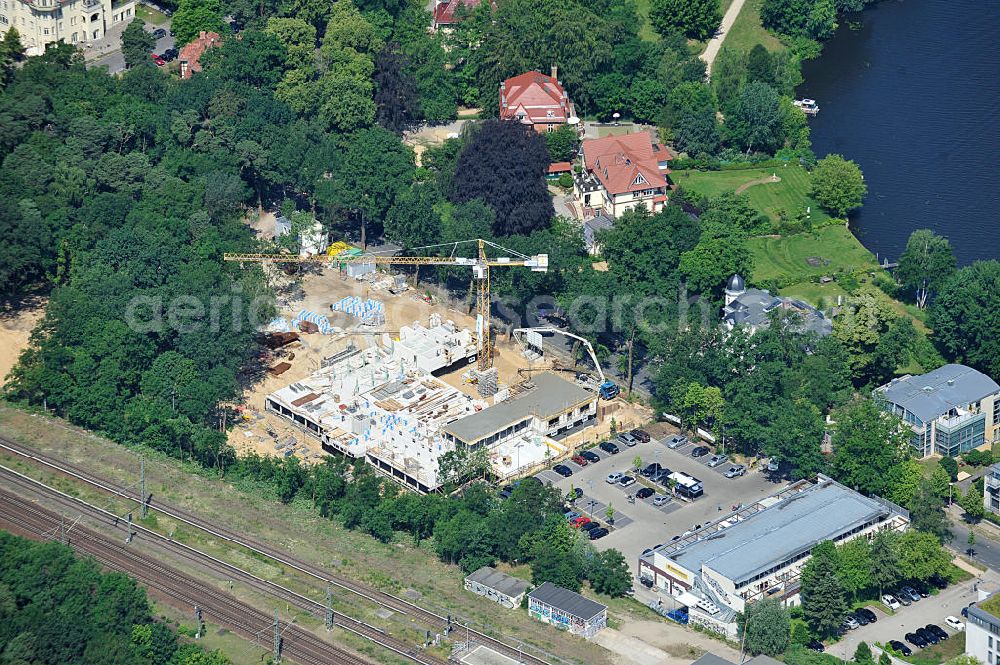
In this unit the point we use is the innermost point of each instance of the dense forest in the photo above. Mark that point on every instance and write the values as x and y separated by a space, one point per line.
56 608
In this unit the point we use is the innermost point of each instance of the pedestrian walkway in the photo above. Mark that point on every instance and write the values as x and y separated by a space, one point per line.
715 43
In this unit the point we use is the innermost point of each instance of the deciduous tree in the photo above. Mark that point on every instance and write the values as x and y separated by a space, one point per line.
137 44
965 318
754 123
193 16
838 185
695 19
765 626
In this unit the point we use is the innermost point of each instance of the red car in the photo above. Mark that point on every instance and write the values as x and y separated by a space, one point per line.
580 459
158 60
580 521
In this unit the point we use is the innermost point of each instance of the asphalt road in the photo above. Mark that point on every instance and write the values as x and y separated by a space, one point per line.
987 552
115 61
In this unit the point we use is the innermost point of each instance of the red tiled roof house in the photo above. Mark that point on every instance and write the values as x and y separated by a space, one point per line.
446 12
622 172
535 99
191 53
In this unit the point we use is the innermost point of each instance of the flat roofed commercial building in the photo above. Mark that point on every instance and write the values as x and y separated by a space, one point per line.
567 610
503 589
982 631
551 407
951 410
759 550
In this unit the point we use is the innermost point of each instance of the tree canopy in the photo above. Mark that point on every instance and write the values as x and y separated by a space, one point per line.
838 185
965 319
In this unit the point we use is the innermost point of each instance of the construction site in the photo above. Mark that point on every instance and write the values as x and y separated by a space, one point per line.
363 364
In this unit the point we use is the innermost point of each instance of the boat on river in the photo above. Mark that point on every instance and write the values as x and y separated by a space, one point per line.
808 106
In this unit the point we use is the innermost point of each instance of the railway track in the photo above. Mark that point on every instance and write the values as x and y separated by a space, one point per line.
22 516
231 572
431 619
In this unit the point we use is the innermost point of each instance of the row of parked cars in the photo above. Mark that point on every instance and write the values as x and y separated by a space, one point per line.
610 447
577 520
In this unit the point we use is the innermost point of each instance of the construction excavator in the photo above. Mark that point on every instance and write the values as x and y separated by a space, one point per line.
605 388
480 264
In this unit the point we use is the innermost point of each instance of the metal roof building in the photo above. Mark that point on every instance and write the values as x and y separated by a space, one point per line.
550 398
567 609
501 588
758 551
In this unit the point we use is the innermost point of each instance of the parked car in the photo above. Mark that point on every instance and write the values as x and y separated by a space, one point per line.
651 470
169 55
505 494
735 471
922 589
609 448
937 630
579 521
590 526
815 645
575 494
965 612
716 460
579 459
676 441
628 439
700 451
851 622
860 618
159 33
614 477
625 481
911 593
954 622
904 600
915 640
598 533
660 499
891 601
644 493
662 476
871 616
590 456
158 60
570 515
900 648
563 470
929 636
641 435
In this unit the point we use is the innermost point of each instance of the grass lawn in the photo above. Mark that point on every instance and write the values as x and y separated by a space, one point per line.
620 130
790 195
150 15
747 32
646 29
815 294
785 257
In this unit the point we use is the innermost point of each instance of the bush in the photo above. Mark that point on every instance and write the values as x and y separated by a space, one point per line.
848 282
566 181
978 457
950 466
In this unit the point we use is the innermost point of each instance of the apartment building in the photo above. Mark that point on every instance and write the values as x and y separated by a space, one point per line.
622 172
44 22
951 410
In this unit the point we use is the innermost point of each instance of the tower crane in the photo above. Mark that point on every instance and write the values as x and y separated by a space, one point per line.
606 388
480 265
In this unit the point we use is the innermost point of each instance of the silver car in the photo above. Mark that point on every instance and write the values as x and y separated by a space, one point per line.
660 499
676 441
717 460
628 439
735 470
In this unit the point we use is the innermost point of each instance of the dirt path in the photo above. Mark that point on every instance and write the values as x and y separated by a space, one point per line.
715 43
15 330
760 181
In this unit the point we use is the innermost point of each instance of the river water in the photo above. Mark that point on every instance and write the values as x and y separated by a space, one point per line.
910 90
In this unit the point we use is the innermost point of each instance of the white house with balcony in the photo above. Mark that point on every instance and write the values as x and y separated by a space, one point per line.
622 172
44 22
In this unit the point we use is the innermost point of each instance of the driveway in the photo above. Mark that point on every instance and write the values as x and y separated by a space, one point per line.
111 47
907 619
648 525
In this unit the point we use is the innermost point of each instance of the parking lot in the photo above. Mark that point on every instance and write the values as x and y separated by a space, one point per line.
642 525
949 601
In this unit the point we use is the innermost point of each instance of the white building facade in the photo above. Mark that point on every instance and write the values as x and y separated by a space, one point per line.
44 22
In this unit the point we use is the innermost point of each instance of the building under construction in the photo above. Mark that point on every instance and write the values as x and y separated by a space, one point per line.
384 404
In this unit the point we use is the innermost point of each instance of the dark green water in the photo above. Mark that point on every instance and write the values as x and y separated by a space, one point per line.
913 96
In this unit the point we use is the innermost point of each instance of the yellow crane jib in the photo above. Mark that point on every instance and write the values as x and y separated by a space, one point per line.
480 265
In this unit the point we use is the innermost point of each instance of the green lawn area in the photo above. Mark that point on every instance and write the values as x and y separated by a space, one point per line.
785 257
789 196
646 29
748 32
620 130
150 15
815 294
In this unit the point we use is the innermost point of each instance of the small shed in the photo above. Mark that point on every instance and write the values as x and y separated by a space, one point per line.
591 228
567 610
503 589
556 169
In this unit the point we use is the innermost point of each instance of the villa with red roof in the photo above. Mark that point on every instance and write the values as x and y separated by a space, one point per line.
535 99
622 172
445 17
